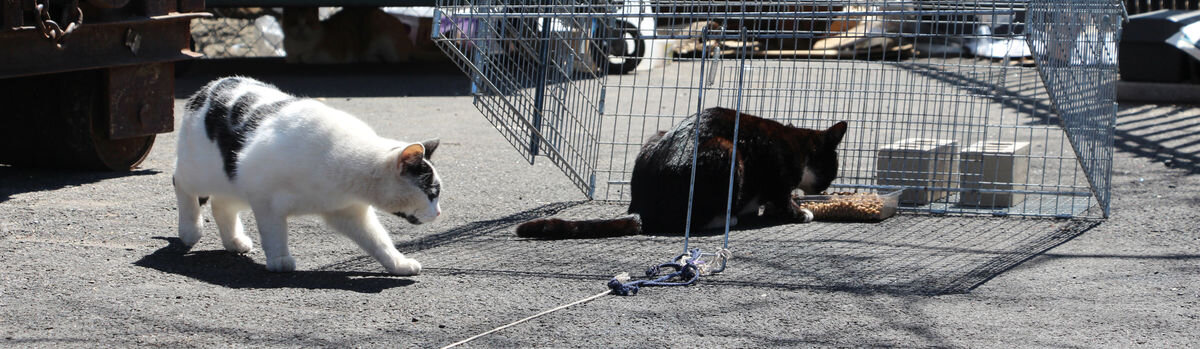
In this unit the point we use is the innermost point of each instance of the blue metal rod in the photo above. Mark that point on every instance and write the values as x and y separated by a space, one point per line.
539 98
737 122
687 230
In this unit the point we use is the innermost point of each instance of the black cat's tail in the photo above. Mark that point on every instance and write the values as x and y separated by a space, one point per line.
556 229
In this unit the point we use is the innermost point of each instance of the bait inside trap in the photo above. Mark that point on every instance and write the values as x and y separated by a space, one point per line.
851 207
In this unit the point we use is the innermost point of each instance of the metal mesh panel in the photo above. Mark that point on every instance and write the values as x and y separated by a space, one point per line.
1075 45
982 90
533 75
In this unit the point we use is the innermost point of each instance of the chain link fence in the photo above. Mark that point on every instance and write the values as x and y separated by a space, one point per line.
237 37
259 32
243 32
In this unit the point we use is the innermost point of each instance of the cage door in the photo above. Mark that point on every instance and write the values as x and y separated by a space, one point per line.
535 70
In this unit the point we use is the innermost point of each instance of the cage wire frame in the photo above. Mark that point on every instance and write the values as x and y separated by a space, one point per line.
541 72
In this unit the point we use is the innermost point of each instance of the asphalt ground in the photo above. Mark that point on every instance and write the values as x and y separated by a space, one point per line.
91 259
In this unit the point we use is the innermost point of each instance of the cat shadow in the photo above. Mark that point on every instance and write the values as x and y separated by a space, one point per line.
234 270
28 180
1159 144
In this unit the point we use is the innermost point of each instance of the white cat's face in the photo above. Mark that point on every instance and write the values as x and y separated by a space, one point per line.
415 193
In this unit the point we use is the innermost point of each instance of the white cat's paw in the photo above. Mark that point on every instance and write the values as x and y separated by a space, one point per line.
240 244
189 235
281 264
403 267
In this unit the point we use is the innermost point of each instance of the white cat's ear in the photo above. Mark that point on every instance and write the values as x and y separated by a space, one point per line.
430 145
412 155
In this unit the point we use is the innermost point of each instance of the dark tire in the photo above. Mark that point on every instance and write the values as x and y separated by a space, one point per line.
58 121
623 55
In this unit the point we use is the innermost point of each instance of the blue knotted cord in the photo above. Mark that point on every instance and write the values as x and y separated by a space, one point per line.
686 272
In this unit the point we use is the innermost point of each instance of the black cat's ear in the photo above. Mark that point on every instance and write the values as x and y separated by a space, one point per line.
412 155
834 134
430 145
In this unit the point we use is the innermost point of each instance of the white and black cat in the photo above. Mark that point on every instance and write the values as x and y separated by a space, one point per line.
247 145
772 160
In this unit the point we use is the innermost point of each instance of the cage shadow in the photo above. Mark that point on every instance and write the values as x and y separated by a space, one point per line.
920 268
1020 96
908 255
27 180
463 232
233 270
1148 141
904 255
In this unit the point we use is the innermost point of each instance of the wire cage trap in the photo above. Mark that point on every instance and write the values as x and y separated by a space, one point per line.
1002 108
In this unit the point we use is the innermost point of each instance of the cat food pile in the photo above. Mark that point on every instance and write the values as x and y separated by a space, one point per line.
843 206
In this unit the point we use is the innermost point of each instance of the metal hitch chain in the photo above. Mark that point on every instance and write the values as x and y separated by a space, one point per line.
71 15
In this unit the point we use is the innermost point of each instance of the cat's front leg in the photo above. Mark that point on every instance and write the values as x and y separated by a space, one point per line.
272 228
788 209
801 214
360 224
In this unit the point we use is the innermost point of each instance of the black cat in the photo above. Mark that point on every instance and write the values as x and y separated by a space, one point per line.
772 160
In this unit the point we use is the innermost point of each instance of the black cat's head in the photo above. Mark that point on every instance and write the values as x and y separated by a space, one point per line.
414 193
821 164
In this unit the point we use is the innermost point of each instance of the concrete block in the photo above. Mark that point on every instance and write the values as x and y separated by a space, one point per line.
997 166
917 163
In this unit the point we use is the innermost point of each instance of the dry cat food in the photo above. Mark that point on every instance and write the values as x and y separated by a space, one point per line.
845 206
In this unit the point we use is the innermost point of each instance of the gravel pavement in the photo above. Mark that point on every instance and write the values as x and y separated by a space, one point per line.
91 259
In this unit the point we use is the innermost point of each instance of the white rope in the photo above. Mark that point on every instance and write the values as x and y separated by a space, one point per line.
514 323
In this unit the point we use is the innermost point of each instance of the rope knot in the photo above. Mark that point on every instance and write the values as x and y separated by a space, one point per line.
687 268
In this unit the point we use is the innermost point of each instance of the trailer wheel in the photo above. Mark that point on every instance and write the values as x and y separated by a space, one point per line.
59 121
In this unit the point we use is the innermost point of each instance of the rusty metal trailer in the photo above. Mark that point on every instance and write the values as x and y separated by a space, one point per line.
87 84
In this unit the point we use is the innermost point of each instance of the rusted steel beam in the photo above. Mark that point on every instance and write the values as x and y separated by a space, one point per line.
98 45
140 100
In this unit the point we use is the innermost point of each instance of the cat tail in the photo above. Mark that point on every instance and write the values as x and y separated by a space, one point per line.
555 229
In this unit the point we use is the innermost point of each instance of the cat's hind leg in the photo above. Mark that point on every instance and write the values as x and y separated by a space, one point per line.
360 224
225 212
190 221
272 230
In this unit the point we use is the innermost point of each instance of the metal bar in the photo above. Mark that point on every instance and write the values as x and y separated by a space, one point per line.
539 98
687 229
737 123
95 45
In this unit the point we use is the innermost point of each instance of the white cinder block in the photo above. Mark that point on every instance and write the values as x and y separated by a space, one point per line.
917 163
993 165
